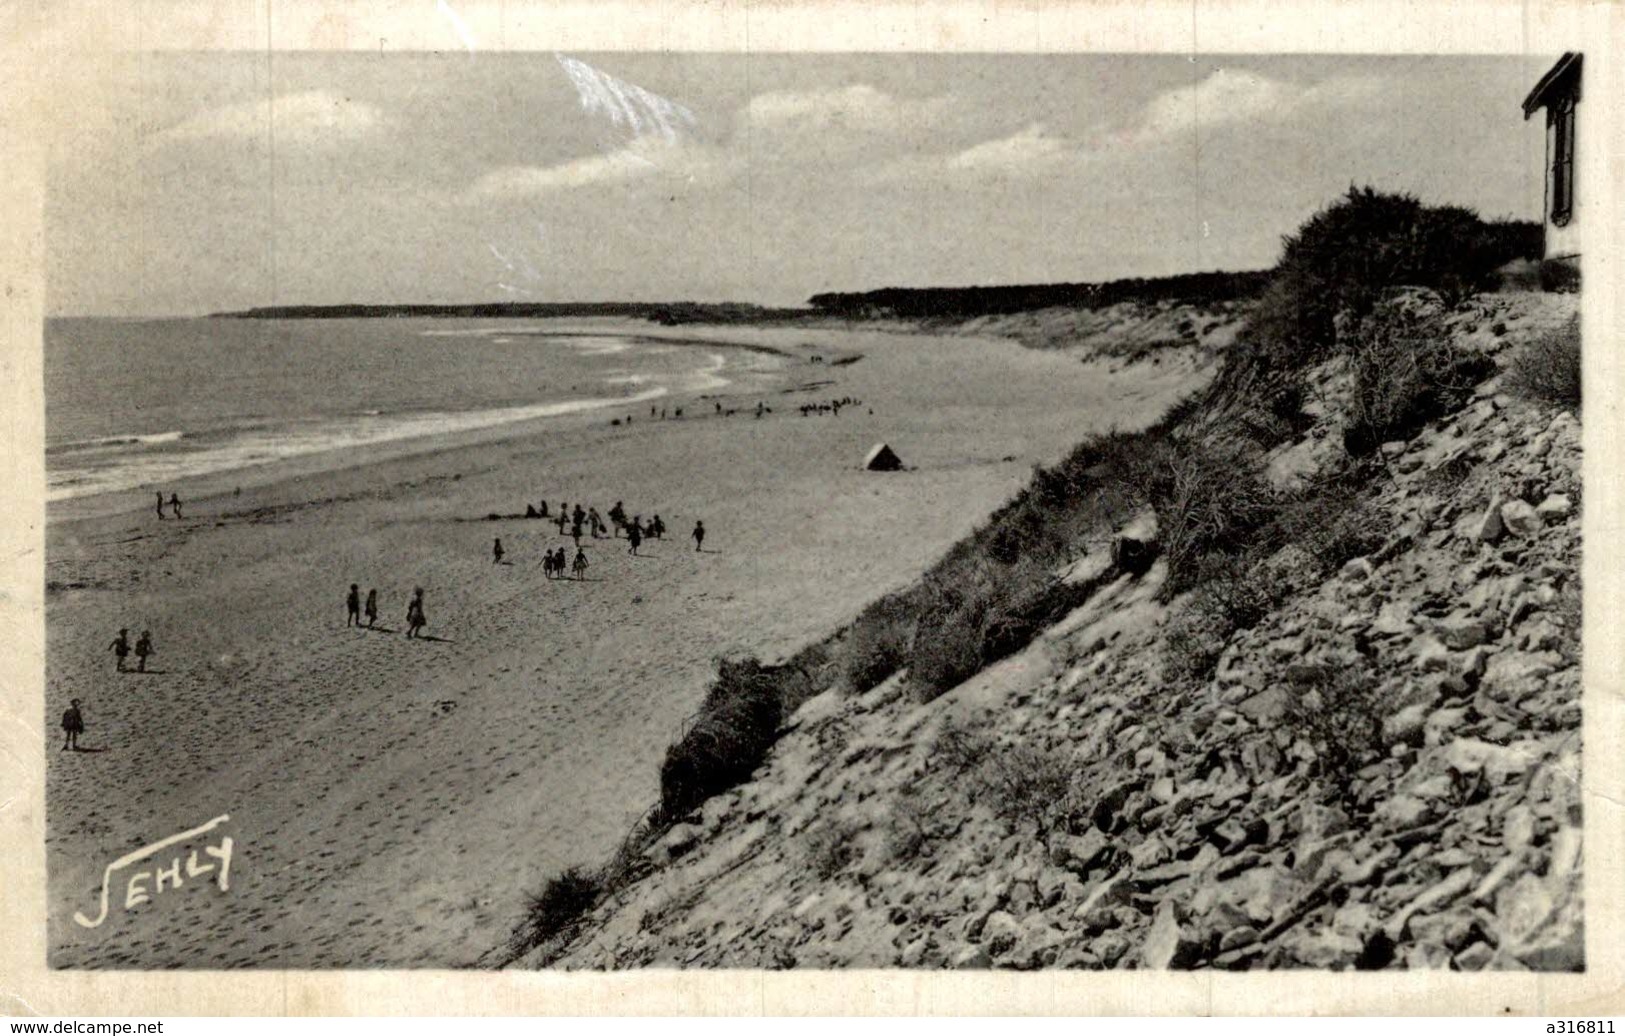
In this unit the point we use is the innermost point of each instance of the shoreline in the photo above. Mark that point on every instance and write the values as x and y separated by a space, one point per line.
211 486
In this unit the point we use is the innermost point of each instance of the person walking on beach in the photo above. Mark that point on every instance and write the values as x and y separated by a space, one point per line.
496 551
595 523
634 535
617 514
699 535
121 648
175 504
580 564
143 648
160 507
352 607
372 607
657 528
415 619
73 724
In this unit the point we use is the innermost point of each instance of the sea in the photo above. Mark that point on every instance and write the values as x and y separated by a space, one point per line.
133 403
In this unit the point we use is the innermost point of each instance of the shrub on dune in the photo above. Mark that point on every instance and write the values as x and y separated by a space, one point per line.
728 738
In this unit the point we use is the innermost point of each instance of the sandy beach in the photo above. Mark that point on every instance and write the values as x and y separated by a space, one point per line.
392 800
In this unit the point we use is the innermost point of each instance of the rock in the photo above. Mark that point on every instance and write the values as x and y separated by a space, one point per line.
1394 449
1520 519
1565 852
1452 929
1393 619
971 957
1441 724
1522 908
1512 676
1324 948
1000 933
1474 957
1554 508
1437 895
1518 828
1405 726
1489 528
1358 570
1428 653
1111 947
914 953
1460 632
1081 853
1402 812
1167 944
1150 853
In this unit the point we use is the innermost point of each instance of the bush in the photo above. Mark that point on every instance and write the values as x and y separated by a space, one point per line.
728 739
1343 257
877 643
1020 783
1340 714
947 647
1233 594
1547 370
1406 373
560 904
1210 499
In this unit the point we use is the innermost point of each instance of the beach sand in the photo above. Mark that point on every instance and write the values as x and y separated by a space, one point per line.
392 800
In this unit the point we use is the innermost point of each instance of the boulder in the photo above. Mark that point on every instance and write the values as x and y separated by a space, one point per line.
1405 727
1489 528
1460 632
1168 944
1000 933
1554 508
1520 519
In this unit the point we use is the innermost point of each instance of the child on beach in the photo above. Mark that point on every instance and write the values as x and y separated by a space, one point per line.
372 607
175 504
580 564
73 724
143 648
496 551
415 619
121 648
634 535
699 535
160 507
352 607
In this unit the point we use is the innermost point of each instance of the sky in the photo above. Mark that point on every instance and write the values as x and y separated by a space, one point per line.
198 182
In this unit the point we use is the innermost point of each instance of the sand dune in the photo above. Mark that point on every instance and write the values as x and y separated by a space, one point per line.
391 800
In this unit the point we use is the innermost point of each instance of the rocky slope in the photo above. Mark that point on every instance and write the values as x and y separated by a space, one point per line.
1069 807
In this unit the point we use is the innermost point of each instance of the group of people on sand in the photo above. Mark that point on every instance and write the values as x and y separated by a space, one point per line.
174 505
832 407
583 520
553 564
355 610
142 650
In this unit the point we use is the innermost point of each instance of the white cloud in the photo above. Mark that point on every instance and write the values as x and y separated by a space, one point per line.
311 117
1030 150
640 160
855 108
1235 96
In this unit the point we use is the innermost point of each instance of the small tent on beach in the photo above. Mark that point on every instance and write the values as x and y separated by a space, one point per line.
882 458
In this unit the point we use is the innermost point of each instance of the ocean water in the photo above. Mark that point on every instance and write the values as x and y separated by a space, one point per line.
132 403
